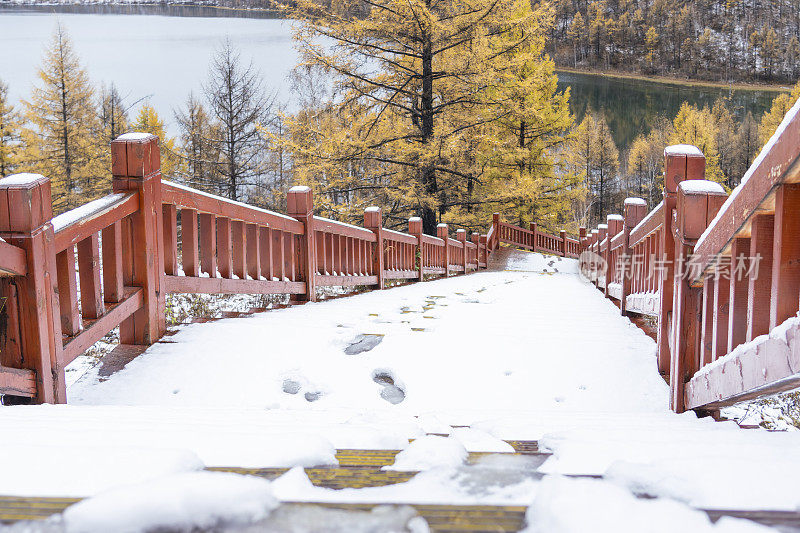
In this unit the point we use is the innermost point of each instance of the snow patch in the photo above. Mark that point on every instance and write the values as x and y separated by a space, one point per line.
72 216
635 201
183 502
135 136
701 186
17 180
683 149
429 452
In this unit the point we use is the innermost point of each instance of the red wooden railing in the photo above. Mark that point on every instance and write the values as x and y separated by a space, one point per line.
65 282
533 239
721 274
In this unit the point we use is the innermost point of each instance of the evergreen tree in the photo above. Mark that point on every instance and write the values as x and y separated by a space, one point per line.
61 142
10 128
780 106
148 121
199 152
418 98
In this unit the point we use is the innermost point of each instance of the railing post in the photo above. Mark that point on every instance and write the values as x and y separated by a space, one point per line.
496 233
415 228
461 236
532 227
300 205
476 240
614 227
136 167
563 235
373 220
635 210
483 249
602 232
442 233
581 239
681 163
25 215
695 208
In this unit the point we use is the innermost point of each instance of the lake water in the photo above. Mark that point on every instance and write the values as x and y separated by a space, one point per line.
163 53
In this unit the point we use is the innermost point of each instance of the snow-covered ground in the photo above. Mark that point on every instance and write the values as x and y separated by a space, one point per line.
527 353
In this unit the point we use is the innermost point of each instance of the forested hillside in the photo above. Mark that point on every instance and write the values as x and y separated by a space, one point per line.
708 39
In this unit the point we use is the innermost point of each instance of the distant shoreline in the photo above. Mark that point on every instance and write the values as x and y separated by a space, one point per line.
666 80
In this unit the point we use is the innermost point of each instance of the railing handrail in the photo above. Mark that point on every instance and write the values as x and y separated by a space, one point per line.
73 226
776 164
204 202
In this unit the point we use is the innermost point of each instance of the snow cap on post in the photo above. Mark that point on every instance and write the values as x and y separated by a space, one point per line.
698 204
299 200
461 235
415 225
25 203
135 155
682 162
373 217
635 211
441 231
475 237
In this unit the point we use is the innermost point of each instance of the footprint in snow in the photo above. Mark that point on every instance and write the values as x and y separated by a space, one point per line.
363 343
390 392
313 396
291 386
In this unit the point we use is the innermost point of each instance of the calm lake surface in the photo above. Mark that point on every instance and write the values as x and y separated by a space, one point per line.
163 53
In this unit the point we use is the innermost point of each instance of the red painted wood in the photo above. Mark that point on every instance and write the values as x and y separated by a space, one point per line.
112 263
265 248
760 285
143 176
253 252
208 244
238 246
707 323
785 255
189 243
170 230
89 273
68 292
737 315
224 248
719 345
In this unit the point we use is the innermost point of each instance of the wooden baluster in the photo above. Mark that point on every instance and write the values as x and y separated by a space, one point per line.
25 222
737 315
760 281
461 236
208 244
68 292
707 322
113 286
189 240
635 210
169 214
224 248
265 235
238 246
415 229
278 249
785 255
442 233
89 274
253 251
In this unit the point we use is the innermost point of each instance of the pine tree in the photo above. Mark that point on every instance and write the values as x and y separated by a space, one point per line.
61 142
10 129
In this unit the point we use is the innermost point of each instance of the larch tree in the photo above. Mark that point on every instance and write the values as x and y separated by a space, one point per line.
113 113
698 127
10 130
198 151
148 121
239 105
61 141
771 119
417 96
